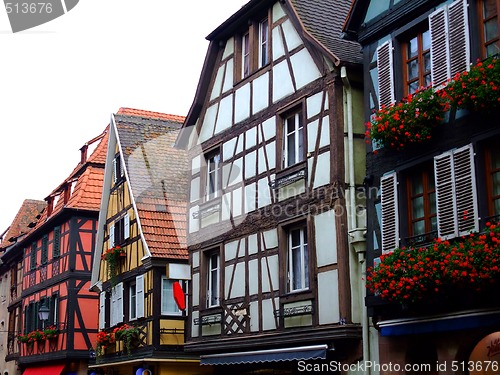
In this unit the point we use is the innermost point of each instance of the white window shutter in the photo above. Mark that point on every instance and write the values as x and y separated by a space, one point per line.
445 195
438 27
126 226
102 310
139 298
119 303
385 74
122 170
458 28
113 309
115 172
465 190
112 235
390 215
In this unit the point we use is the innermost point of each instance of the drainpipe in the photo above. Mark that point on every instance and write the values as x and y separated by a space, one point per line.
356 235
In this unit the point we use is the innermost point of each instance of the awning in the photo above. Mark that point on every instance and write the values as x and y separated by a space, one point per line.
439 323
44 370
273 355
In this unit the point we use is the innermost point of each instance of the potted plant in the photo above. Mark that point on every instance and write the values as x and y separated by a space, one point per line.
409 121
477 89
129 335
23 339
104 340
409 275
51 332
112 257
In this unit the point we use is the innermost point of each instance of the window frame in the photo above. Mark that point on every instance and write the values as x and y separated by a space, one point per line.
209 275
305 252
297 111
164 295
206 173
482 21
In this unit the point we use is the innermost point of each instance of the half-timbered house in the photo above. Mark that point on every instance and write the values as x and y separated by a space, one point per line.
59 313
430 191
11 283
275 142
141 248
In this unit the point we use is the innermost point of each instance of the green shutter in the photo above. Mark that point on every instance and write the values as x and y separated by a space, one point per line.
45 249
33 256
56 246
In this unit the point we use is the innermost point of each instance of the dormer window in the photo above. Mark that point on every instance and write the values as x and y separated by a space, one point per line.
253 48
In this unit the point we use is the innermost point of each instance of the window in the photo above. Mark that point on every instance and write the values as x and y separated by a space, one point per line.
33 256
116 308
488 10
118 171
298 259
493 180
133 301
213 279
212 178
45 249
432 56
417 60
119 231
168 305
450 207
263 42
56 245
136 298
422 215
253 48
293 139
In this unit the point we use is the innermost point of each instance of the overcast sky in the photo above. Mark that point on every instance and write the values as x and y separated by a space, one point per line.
62 80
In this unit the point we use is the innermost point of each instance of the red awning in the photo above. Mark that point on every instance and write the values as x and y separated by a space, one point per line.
44 370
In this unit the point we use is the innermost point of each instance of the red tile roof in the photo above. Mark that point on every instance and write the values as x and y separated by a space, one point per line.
158 177
28 213
83 187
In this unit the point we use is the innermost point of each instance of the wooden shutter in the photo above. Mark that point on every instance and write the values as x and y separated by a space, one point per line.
139 296
445 196
56 245
115 172
465 190
389 204
126 226
33 256
45 249
111 235
102 310
385 74
113 309
119 303
438 27
458 27
456 199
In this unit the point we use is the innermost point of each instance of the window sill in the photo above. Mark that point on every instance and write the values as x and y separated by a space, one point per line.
290 175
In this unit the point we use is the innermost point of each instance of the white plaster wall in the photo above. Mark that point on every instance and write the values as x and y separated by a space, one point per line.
250 164
253 277
228 148
271 155
230 250
268 320
278 12
326 238
228 78
194 224
216 90
270 268
252 244
195 189
328 297
304 68
292 38
226 206
312 134
282 81
322 170
225 117
269 128
264 198
314 104
278 48
270 239
195 329
250 137
229 48
237 202
254 316
195 259
250 197
242 103
210 219
196 289
293 189
239 282
195 164
260 93
207 128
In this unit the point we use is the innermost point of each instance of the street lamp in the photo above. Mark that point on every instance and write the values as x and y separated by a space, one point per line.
43 314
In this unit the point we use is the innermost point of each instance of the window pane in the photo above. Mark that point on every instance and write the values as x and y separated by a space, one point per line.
418 228
290 149
412 48
301 144
496 183
417 185
426 40
491 29
412 69
493 49
432 202
296 267
413 87
263 43
489 8
133 304
295 238
418 207
427 62
497 206
306 264
168 305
